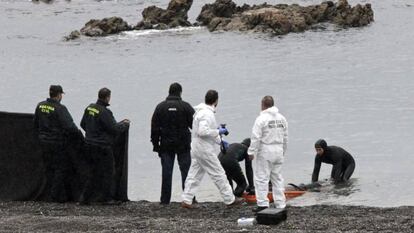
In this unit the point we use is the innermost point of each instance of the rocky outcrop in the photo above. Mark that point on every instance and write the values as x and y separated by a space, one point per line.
281 19
174 16
225 15
73 35
356 16
104 27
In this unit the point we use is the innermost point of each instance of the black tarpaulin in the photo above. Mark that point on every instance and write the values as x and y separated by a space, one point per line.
22 171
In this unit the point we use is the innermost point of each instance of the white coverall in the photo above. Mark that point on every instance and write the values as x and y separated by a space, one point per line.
205 146
268 145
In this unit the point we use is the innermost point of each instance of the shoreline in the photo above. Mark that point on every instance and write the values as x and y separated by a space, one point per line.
145 216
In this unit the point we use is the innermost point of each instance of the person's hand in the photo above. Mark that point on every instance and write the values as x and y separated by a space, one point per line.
250 190
251 157
126 121
156 148
223 131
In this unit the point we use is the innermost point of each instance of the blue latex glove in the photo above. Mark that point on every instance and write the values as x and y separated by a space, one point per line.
223 131
225 144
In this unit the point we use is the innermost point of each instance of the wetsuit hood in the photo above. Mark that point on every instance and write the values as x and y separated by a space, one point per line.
321 143
246 142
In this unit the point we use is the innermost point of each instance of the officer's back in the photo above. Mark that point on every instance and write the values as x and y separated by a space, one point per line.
52 120
170 125
100 125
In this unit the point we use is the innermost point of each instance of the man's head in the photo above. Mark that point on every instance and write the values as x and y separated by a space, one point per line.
55 92
320 146
104 95
175 89
211 98
267 102
246 142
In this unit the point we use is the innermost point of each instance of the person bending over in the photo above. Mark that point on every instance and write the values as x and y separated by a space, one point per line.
235 153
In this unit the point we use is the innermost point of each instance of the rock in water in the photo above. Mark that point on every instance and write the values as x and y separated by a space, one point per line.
174 16
104 27
73 35
281 18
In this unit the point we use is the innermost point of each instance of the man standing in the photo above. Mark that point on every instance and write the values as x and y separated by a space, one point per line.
54 125
268 144
101 129
342 161
235 153
205 147
170 136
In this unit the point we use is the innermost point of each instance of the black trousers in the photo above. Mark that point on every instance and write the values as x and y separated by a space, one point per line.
57 168
167 163
347 171
98 186
234 172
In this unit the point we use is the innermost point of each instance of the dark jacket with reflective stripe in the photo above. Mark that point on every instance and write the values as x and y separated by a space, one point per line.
171 124
53 122
336 156
100 125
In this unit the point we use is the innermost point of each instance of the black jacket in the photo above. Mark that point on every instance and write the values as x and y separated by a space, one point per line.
171 124
53 122
100 125
237 152
336 156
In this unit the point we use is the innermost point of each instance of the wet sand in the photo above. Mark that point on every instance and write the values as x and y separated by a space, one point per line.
146 216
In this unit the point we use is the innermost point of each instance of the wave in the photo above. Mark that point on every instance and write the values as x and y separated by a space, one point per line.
138 33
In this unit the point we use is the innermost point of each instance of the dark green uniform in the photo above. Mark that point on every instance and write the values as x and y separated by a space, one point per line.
101 129
54 125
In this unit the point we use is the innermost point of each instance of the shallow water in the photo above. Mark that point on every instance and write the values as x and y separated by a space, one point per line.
352 87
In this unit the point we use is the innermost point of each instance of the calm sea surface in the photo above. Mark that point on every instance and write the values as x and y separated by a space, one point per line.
352 87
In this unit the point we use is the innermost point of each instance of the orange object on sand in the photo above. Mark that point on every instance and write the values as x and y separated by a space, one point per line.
288 194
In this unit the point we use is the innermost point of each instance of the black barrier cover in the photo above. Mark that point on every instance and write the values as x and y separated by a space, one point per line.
22 171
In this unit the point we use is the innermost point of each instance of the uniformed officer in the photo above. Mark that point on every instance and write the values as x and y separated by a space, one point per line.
54 125
100 132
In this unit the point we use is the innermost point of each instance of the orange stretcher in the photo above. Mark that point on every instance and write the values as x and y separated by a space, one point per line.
289 194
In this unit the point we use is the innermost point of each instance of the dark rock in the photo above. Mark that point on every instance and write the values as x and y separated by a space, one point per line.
73 35
174 16
221 8
281 18
356 16
104 27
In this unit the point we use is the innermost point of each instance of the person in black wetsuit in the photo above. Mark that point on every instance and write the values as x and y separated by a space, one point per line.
343 162
235 153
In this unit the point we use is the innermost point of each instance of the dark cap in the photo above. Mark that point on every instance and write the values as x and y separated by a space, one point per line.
54 90
321 144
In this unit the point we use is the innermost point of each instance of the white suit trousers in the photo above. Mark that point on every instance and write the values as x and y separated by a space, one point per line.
269 170
202 163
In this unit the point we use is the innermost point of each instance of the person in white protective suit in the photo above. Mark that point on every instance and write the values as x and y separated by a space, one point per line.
205 147
268 144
